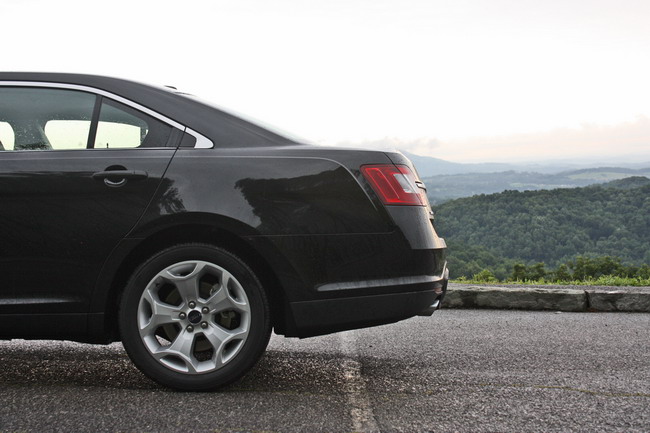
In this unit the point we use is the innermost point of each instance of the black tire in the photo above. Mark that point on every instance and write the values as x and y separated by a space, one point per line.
194 344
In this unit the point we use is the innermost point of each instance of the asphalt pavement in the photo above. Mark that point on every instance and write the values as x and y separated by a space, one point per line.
458 371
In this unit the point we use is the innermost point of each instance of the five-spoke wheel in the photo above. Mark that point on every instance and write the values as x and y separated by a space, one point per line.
194 317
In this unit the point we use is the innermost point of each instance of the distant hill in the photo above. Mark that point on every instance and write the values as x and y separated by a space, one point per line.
447 180
628 182
447 187
605 174
428 166
550 226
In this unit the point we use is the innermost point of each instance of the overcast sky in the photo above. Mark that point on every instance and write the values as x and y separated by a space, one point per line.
463 80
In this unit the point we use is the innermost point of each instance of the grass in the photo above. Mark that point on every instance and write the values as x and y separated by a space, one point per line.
605 280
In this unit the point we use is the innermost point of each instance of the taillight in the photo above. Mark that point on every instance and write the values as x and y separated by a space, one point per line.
395 184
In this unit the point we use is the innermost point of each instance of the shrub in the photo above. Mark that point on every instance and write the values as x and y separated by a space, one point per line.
485 276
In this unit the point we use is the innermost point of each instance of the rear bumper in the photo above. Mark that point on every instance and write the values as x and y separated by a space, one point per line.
414 297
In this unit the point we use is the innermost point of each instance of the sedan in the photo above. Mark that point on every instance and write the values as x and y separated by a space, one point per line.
144 215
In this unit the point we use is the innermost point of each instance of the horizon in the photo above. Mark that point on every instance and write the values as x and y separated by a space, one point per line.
594 163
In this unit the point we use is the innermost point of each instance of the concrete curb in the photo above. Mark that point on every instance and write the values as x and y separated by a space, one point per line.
555 298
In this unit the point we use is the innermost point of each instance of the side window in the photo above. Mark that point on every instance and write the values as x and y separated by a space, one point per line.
59 119
6 136
44 119
67 134
121 126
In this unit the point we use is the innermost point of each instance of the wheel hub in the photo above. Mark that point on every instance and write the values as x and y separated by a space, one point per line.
194 317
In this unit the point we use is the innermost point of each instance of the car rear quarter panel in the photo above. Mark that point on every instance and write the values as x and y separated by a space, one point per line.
311 217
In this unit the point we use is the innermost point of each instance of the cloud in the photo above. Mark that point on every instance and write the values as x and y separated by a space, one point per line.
589 142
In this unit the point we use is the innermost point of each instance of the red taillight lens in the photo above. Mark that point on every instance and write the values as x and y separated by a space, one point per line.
395 184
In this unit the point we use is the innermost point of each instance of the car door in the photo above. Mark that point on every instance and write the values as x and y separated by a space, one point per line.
77 170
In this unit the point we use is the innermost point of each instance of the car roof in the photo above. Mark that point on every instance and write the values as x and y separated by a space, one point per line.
225 129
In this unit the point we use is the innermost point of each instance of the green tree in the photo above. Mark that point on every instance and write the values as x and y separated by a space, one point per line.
485 276
562 273
519 272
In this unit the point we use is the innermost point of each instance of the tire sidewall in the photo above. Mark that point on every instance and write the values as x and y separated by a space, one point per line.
247 356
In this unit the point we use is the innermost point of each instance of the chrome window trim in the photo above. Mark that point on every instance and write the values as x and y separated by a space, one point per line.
201 141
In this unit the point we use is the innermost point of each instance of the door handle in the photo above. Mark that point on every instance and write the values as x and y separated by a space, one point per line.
119 177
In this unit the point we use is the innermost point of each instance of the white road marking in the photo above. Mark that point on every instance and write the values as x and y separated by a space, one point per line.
363 418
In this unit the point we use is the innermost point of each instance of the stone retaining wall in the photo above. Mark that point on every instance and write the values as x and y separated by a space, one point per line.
558 299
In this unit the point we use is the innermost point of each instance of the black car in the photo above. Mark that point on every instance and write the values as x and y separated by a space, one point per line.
140 214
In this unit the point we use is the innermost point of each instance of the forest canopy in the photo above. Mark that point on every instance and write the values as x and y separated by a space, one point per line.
552 227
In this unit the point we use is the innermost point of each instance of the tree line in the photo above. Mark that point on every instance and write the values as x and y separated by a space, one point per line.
551 233
605 270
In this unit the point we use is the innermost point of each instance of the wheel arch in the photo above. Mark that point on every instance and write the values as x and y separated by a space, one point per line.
108 297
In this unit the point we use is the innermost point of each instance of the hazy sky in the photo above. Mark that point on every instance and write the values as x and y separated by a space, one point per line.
464 80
